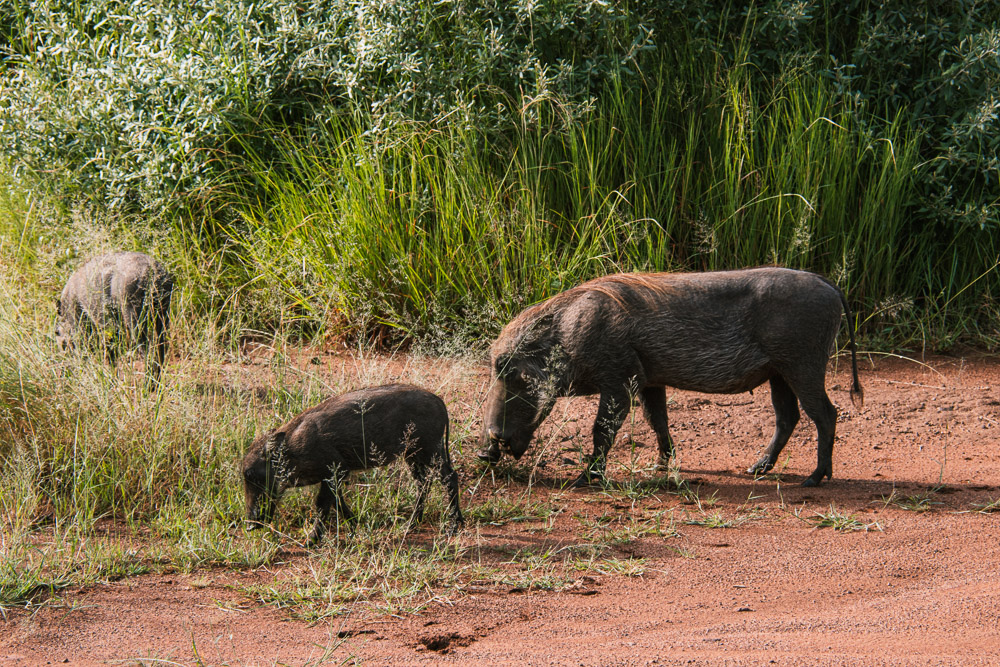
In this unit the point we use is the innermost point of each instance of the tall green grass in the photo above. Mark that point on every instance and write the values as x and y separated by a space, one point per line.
438 230
103 478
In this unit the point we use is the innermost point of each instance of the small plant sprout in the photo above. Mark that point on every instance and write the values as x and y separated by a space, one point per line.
917 502
714 520
988 507
838 520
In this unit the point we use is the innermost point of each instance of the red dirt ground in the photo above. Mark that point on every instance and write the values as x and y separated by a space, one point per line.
916 588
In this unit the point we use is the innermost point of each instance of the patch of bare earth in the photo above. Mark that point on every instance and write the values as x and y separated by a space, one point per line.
906 587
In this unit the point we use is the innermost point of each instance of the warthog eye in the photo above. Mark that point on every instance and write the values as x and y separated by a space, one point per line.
505 367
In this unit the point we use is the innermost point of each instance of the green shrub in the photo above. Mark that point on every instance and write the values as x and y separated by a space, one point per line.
138 103
430 168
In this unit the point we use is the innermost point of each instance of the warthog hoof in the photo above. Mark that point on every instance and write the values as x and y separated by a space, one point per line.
489 455
818 474
816 479
587 478
662 464
761 467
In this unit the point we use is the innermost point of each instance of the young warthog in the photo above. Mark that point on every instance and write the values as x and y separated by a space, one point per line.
631 335
354 431
118 301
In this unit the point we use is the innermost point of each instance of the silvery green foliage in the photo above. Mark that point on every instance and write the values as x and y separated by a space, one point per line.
138 99
141 101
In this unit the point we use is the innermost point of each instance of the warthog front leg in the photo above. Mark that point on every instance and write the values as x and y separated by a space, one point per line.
329 497
611 413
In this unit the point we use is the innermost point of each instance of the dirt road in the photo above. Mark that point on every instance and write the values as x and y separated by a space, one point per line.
744 574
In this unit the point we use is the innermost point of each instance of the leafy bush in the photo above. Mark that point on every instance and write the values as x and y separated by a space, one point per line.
137 103
141 101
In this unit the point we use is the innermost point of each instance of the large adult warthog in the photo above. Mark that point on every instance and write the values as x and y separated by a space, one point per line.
634 334
116 302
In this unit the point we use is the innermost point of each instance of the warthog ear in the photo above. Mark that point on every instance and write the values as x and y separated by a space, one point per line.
274 441
519 365
531 369
538 334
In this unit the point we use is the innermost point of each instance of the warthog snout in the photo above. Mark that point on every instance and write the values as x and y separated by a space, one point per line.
497 440
491 453
498 444
260 509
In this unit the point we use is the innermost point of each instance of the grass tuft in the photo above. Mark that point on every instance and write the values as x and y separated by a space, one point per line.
838 520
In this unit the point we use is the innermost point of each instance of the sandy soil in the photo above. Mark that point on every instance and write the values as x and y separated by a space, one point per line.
914 588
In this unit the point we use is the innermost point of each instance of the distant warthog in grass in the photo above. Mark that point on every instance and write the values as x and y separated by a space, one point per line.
630 335
118 302
358 430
